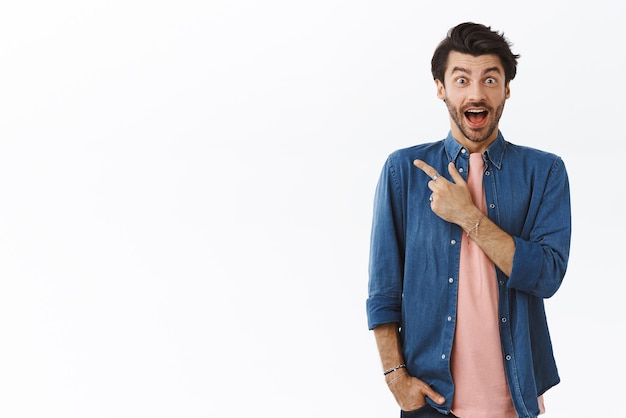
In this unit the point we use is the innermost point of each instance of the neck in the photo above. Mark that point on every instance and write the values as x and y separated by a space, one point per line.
474 146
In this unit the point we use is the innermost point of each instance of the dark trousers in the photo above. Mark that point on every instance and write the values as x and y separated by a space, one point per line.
426 411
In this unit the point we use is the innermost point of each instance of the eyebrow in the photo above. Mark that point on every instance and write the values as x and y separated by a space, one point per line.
486 71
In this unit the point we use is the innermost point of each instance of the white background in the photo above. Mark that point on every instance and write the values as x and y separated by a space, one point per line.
186 191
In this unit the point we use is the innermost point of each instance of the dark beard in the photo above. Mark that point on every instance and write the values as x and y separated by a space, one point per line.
471 135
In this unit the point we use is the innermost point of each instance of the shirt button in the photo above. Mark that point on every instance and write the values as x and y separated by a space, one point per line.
449 318
463 151
508 357
453 241
443 356
502 282
461 170
450 280
492 206
503 319
487 173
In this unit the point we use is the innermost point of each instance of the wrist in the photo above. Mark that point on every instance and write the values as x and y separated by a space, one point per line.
392 379
395 373
472 222
394 369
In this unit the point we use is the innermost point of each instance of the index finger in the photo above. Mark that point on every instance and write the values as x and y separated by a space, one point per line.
428 170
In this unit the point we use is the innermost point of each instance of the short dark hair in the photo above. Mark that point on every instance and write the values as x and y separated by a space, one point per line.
474 39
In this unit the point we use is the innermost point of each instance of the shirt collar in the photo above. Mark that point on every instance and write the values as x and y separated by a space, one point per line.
494 153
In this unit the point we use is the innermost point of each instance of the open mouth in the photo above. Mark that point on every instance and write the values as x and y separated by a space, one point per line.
476 117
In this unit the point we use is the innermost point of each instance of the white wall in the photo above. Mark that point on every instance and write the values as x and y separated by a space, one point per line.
186 189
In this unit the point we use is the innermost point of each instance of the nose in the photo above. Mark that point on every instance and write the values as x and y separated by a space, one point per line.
476 92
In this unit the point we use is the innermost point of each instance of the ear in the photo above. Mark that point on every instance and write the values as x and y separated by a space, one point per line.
441 89
507 90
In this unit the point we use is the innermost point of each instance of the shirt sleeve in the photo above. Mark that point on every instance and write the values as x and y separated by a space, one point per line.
387 243
540 262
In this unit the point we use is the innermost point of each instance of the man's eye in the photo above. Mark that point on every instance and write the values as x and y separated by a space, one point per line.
461 80
490 80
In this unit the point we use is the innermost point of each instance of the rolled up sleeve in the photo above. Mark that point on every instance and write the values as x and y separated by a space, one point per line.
540 261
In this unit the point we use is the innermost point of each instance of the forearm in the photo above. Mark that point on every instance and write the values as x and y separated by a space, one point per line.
409 391
389 347
495 243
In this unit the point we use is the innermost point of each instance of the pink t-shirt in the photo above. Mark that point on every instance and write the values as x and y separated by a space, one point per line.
481 389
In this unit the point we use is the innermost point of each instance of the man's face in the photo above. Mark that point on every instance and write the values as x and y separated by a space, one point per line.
474 92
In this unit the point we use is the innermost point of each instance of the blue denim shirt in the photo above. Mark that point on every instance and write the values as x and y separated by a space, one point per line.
415 255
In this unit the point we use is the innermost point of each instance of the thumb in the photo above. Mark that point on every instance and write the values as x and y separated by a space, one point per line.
434 396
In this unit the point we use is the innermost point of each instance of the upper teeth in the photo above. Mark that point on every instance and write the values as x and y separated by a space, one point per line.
475 111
